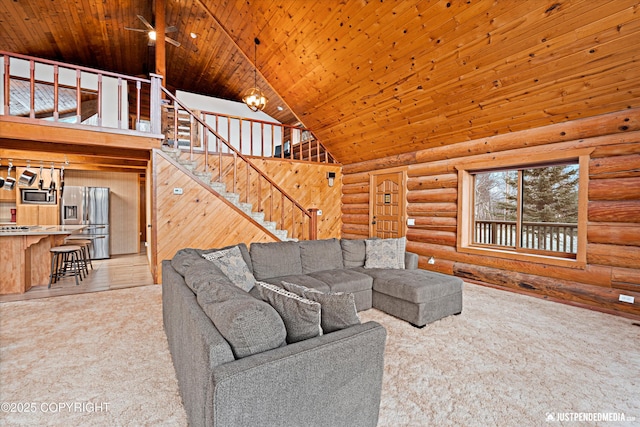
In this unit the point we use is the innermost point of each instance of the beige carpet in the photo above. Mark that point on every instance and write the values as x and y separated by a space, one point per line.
508 360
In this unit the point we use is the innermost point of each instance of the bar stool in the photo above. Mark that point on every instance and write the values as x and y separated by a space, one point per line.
63 257
73 238
86 255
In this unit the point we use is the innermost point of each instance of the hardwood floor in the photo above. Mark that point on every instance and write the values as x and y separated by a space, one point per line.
121 271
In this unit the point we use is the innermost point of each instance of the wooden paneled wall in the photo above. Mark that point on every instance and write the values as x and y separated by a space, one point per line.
124 208
307 183
613 250
199 219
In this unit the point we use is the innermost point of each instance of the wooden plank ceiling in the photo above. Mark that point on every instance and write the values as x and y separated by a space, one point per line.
371 78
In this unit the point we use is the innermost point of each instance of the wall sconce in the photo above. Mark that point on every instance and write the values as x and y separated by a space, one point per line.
331 176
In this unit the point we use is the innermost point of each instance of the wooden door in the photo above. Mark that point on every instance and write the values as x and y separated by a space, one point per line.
387 200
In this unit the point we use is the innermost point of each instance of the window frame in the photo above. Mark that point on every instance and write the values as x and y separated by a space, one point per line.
510 161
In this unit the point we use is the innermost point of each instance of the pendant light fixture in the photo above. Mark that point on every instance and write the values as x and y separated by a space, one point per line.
254 97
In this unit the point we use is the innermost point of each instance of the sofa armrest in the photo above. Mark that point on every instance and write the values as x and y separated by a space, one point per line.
410 261
334 379
195 345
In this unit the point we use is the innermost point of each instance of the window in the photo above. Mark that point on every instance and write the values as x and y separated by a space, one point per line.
534 211
530 209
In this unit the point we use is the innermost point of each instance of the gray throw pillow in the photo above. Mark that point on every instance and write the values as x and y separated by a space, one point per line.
338 309
353 253
385 253
301 316
249 325
232 264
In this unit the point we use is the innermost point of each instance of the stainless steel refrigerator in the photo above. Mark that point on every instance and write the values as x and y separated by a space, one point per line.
88 206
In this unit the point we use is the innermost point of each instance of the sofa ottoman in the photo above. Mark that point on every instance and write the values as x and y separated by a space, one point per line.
417 296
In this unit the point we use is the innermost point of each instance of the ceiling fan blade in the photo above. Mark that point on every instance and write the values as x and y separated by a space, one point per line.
145 22
135 29
172 41
171 29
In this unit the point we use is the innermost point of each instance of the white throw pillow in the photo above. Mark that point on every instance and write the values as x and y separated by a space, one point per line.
385 253
231 263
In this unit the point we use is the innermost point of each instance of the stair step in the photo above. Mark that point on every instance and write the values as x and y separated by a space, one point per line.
204 176
269 225
220 187
281 234
258 216
172 152
232 197
191 165
246 208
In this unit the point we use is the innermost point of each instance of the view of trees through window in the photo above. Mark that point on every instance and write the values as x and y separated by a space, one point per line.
547 219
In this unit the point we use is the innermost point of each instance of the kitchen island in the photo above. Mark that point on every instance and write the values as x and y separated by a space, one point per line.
25 260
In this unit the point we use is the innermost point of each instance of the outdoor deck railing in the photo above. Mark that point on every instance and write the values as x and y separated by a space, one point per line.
543 236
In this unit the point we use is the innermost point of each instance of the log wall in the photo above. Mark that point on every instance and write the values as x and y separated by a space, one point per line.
613 232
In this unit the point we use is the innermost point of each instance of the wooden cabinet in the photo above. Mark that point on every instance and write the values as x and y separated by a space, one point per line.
7 196
37 215
28 214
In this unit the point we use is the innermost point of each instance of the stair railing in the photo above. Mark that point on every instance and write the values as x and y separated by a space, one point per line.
259 190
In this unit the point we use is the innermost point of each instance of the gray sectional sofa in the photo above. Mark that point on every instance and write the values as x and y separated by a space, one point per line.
233 365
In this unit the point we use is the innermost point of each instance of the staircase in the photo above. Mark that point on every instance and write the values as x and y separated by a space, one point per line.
220 188
177 123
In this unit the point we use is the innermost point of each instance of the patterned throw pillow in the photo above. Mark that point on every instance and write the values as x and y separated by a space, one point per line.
385 253
231 263
338 309
301 316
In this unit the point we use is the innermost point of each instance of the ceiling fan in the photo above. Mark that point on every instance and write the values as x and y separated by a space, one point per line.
151 32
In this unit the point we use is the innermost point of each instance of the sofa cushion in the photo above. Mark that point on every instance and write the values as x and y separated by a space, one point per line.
301 279
318 255
301 317
353 253
184 259
385 253
417 286
341 280
275 259
338 309
232 264
202 274
248 324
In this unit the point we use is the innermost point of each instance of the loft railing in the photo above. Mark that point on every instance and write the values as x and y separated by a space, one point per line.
34 88
542 236
241 176
251 137
265 139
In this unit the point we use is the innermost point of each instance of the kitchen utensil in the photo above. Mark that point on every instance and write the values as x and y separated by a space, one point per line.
61 180
41 182
27 177
9 183
52 184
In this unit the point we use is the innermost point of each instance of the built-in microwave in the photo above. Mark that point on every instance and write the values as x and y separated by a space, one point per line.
38 197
